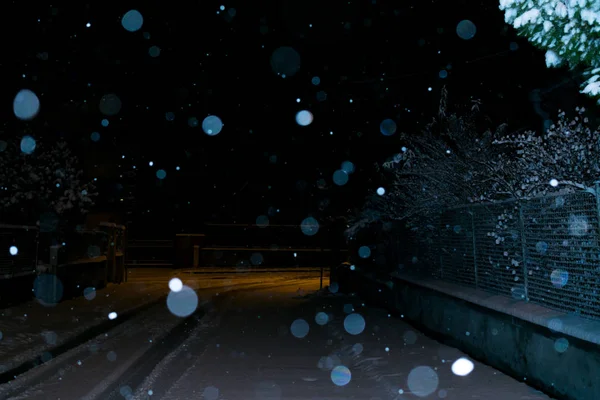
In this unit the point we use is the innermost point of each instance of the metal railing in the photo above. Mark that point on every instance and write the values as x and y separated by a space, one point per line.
272 245
545 250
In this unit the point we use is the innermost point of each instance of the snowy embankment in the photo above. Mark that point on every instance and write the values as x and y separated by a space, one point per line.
30 330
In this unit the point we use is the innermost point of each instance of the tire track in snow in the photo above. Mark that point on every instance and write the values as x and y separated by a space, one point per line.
146 321
356 361
149 323
132 374
162 360
164 380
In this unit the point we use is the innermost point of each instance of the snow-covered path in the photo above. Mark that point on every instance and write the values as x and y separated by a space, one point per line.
99 364
242 343
249 351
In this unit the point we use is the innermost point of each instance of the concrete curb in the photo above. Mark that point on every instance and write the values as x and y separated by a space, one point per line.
520 348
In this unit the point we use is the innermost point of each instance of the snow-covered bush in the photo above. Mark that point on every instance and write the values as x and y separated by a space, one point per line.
48 179
503 205
451 163
565 159
443 166
569 31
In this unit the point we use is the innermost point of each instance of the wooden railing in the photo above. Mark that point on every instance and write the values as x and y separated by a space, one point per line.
25 250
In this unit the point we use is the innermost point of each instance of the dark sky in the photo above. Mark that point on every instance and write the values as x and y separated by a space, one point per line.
375 60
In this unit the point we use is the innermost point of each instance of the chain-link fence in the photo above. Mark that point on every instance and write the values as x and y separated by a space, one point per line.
544 250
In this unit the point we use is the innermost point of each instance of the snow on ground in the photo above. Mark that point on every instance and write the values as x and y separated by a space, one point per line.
91 370
92 367
32 329
251 346
256 349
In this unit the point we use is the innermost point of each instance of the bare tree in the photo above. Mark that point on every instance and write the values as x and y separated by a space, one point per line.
48 179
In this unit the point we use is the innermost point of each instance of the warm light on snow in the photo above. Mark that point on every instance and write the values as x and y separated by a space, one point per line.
175 285
462 367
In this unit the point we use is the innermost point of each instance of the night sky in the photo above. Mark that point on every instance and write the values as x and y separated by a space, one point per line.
374 59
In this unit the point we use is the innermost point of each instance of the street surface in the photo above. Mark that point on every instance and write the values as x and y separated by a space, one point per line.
257 336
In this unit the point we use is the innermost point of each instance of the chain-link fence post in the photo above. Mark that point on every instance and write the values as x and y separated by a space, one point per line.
470 211
440 246
37 249
523 251
597 196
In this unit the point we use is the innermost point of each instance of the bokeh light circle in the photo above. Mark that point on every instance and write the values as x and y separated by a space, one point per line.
262 221
559 278
154 51
304 118
341 375
422 381
364 252
48 289
110 104
309 226
321 318
285 61
354 324
466 29
340 177
132 21
387 127
182 303
299 328
561 345
334 287
348 167
256 259
26 105
212 125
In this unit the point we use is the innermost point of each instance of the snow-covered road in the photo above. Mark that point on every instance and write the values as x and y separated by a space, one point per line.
259 336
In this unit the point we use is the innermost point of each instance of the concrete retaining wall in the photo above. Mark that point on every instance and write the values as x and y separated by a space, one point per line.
510 335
